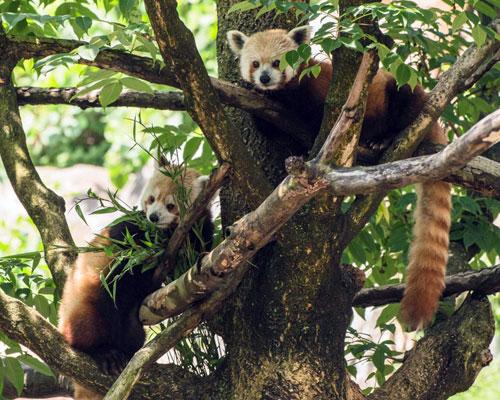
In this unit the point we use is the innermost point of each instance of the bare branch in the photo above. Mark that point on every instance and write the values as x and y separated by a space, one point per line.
340 148
447 360
481 174
159 100
364 180
45 208
28 327
248 100
486 281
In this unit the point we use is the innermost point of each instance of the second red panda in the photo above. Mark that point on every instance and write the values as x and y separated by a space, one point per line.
106 328
388 111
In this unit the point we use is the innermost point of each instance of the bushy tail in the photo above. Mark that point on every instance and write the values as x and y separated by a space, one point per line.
428 252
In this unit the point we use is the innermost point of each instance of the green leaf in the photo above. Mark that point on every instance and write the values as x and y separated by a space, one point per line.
110 93
403 74
14 373
387 314
242 6
126 6
458 22
485 9
316 70
378 358
304 51
329 45
479 35
136 84
292 57
79 211
36 364
88 52
191 147
105 210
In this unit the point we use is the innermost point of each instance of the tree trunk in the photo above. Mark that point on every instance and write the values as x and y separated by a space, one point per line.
285 328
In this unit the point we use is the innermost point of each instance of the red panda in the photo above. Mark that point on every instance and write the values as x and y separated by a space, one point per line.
388 111
108 329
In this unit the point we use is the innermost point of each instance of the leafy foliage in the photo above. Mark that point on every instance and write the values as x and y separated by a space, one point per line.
426 43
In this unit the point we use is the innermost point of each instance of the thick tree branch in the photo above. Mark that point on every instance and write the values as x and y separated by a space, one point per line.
486 281
45 208
447 360
248 100
481 174
26 326
479 138
115 60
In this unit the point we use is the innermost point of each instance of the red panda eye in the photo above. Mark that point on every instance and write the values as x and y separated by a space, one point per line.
276 63
151 199
256 64
170 206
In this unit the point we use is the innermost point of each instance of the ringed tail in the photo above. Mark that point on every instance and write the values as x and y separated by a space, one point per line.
428 254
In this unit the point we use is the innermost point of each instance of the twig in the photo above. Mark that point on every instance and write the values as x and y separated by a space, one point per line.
340 148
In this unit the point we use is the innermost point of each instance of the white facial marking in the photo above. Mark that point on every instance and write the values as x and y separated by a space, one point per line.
260 53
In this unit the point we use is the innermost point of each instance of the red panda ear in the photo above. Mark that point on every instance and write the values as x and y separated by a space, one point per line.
163 162
300 35
236 41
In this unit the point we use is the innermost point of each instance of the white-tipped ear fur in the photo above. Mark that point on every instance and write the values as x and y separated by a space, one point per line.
198 185
301 34
236 41
162 162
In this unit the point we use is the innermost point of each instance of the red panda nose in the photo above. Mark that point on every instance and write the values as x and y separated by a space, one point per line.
154 218
265 78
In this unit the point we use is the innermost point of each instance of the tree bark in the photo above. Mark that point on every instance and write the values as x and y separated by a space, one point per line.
44 207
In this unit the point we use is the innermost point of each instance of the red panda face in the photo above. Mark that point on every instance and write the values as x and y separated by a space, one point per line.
159 199
260 55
